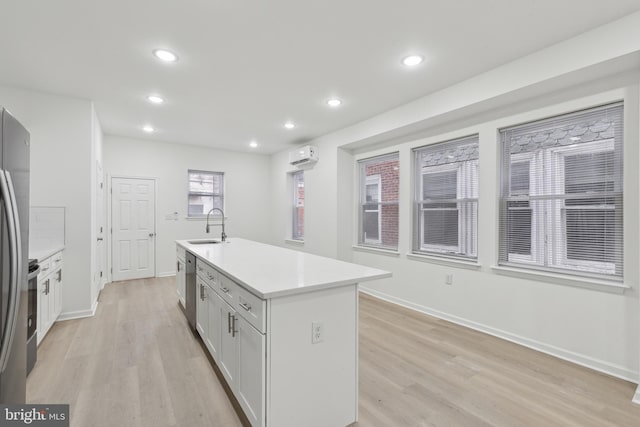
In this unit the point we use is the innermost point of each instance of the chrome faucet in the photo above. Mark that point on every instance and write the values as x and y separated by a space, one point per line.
224 235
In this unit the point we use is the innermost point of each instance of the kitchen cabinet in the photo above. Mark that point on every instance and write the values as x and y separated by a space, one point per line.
180 275
282 328
50 283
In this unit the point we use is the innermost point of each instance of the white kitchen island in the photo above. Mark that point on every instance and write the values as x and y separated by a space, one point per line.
282 327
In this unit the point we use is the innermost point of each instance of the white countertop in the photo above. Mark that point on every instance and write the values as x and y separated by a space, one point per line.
270 271
43 253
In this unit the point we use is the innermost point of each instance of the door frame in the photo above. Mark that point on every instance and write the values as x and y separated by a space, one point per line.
110 178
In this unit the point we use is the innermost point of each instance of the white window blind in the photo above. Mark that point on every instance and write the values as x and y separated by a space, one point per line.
446 199
378 213
297 232
206 191
561 193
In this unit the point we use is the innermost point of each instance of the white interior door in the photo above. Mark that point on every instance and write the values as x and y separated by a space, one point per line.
133 225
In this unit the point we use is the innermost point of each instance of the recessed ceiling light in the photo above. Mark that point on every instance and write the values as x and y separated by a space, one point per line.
334 102
412 61
148 128
253 144
165 55
155 99
289 125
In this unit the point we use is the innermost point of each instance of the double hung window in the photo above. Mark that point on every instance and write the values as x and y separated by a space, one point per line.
561 193
206 191
446 199
378 216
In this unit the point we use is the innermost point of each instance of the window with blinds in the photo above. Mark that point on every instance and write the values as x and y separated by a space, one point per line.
378 213
561 193
297 232
206 191
446 198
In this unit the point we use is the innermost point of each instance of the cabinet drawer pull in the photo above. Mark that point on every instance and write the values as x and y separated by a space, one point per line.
229 321
225 290
234 331
178 264
202 292
60 275
246 306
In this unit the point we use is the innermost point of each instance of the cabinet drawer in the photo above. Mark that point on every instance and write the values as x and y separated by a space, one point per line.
252 308
56 261
45 268
207 273
228 290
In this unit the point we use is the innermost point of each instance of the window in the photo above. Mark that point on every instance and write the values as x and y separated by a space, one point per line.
446 199
298 206
378 212
561 193
206 191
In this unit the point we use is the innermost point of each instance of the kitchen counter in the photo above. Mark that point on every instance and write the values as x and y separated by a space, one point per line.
44 253
270 271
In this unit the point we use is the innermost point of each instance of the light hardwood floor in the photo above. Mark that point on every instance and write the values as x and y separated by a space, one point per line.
137 364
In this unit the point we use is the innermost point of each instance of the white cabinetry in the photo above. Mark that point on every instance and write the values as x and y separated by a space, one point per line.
50 282
180 274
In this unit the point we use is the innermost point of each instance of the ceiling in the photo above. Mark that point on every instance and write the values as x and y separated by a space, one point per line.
246 67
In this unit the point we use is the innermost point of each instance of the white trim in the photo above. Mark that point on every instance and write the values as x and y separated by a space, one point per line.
563 279
636 396
570 356
78 314
294 242
455 262
380 251
166 274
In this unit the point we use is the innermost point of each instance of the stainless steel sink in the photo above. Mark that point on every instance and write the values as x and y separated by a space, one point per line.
203 242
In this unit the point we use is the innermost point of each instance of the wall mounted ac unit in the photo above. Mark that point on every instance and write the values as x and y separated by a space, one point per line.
303 155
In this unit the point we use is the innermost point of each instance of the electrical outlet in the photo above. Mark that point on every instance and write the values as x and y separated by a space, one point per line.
317 332
449 279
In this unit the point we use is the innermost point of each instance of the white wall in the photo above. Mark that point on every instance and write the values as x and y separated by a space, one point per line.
590 326
247 189
61 144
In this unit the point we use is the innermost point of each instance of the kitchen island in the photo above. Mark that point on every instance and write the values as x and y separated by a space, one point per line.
282 327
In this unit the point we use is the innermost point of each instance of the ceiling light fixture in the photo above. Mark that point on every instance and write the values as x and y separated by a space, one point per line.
412 60
253 144
155 99
165 55
148 128
334 102
289 125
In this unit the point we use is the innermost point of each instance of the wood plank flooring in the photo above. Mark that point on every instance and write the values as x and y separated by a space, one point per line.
137 364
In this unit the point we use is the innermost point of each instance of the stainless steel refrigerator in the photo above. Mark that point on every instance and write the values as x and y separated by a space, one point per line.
14 238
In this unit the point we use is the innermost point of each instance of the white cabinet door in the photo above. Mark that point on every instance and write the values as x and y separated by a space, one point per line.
214 303
250 382
43 308
180 280
202 309
56 294
228 352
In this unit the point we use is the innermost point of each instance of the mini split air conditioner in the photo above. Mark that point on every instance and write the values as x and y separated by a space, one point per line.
303 155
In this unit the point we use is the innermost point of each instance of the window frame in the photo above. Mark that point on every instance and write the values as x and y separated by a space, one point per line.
373 180
213 194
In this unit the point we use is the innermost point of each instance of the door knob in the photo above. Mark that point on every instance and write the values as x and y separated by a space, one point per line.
99 239
152 234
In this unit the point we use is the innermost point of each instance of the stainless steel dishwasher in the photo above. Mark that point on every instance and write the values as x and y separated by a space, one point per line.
190 289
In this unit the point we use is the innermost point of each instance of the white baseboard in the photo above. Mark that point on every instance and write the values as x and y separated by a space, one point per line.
579 359
167 274
78 314
636 396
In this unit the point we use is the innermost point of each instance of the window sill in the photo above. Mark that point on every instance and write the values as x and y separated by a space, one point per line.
380 251
568 280
472 265
212 220
294 242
